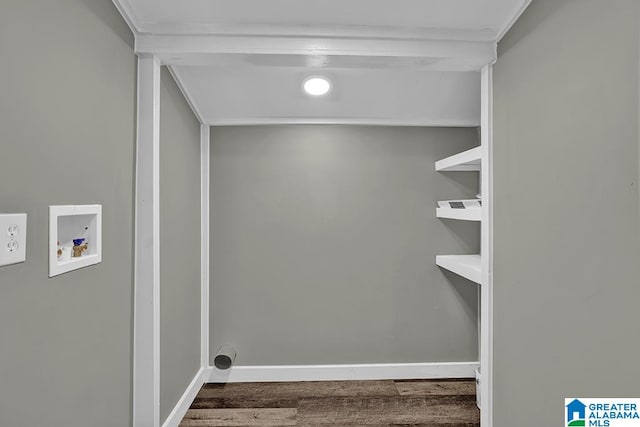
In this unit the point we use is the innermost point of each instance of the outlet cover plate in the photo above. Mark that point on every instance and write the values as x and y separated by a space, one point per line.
13 238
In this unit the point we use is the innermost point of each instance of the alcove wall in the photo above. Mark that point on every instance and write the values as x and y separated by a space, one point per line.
323 244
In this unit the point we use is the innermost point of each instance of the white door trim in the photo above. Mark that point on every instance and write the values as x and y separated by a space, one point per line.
204 246
486 290
146 313
146 381
201 49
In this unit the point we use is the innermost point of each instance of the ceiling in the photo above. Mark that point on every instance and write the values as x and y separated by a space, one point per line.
263 95
203 15
405 62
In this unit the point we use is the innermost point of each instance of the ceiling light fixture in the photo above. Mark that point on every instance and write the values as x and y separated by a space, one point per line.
316 86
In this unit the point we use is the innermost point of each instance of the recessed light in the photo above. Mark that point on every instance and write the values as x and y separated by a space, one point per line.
316 86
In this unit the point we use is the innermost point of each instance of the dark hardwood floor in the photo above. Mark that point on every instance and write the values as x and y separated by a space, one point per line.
433 403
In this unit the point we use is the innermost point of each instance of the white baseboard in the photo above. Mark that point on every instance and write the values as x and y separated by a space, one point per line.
181 408
379 371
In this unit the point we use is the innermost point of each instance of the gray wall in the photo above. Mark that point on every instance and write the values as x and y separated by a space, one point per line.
567 249
323 241
179 244
66 137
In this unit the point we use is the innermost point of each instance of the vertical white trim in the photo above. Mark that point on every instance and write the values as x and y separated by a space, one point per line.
146 316
204 246
486 304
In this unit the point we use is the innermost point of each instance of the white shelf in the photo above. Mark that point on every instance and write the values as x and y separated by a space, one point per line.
469 160
467 266
472 214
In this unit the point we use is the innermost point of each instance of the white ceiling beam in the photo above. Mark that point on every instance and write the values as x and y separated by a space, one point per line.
316 30
338 120
453 55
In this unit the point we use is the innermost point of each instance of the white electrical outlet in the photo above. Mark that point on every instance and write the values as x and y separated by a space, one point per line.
13 238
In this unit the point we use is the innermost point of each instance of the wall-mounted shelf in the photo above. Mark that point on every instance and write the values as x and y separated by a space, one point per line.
469 160
474 214
465 210
467 266
70 222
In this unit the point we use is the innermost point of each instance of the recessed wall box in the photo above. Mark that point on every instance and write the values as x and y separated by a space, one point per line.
75 237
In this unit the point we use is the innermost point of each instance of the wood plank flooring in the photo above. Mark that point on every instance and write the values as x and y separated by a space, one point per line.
432 403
